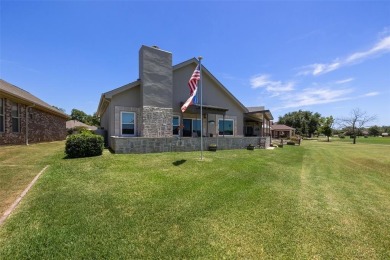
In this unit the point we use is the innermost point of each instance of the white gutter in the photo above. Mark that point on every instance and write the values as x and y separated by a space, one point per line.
33 105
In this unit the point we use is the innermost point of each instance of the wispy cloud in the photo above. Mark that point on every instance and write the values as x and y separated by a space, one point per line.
380 48
272 86
371 94
344 81
315 96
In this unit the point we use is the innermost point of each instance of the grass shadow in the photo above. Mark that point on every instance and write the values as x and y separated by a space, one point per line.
179 162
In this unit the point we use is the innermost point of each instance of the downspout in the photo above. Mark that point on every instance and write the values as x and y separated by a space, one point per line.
33 105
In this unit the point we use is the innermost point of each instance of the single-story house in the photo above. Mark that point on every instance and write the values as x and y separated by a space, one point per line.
145 115
70 124
282 131
26 119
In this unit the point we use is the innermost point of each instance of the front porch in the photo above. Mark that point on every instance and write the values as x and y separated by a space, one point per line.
123 145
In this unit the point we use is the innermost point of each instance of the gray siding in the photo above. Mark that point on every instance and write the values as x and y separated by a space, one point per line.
213 95
156 77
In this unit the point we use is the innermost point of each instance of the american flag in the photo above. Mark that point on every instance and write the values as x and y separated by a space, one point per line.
193 85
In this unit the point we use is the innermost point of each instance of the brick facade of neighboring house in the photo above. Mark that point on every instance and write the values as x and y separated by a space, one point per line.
26 119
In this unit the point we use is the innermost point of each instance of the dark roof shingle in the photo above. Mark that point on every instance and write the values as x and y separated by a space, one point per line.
12 90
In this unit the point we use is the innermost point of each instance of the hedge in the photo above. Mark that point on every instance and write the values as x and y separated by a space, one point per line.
84 145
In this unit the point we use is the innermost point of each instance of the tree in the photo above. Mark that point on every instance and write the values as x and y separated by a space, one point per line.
305 122
78 115
356 121
326 126
374 130
85 118
93 120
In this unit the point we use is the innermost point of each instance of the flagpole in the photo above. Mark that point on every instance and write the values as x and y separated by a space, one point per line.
201 110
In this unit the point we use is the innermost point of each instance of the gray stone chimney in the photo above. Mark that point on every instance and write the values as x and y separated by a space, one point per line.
155 69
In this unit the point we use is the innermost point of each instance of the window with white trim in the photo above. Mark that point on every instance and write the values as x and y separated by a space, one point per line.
128 124
2 105
15 114
176 125
226 127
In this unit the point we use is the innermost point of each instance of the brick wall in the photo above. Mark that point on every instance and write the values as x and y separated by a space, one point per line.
42 126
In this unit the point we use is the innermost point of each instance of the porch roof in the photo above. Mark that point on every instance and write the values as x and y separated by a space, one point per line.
260 114
206 109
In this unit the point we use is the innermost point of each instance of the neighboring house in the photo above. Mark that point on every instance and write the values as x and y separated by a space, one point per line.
282 131
74 123
150 108
25 118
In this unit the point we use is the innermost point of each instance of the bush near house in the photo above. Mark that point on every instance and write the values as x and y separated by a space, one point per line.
84 145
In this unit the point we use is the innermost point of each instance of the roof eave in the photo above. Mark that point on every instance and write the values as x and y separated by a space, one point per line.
31 103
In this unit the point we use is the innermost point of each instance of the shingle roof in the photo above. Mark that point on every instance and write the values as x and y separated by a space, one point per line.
28 98
74 123
254 109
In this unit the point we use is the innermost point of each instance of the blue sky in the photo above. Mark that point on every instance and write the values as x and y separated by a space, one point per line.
323 56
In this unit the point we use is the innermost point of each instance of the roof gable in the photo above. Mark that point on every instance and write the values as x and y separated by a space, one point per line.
214 79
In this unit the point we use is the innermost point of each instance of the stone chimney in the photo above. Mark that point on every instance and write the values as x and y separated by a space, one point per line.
155 69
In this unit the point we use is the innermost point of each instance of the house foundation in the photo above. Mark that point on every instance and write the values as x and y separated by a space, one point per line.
125 145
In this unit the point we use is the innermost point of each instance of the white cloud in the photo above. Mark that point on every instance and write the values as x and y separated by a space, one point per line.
315 96
381 47
274 87
371 94
259 81
344 81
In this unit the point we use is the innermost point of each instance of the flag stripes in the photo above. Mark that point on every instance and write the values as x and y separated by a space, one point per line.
193 85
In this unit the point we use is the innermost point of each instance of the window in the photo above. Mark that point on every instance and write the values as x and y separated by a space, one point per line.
226 127
2 115
196 128
128 123
15 117
175 125
191 127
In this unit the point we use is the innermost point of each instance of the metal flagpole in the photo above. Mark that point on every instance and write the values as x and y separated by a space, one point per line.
201 110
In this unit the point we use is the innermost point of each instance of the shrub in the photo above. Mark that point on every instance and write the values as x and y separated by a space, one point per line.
294 139
290 143
341 136
84 145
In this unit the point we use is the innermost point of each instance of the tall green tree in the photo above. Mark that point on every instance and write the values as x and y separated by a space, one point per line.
326 126
306 123
79 115
85 118
374 130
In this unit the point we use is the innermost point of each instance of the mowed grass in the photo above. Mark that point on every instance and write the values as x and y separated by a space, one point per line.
360 139
319 200
18 167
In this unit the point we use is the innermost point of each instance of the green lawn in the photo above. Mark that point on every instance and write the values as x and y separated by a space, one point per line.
19 165
361 139
319 200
